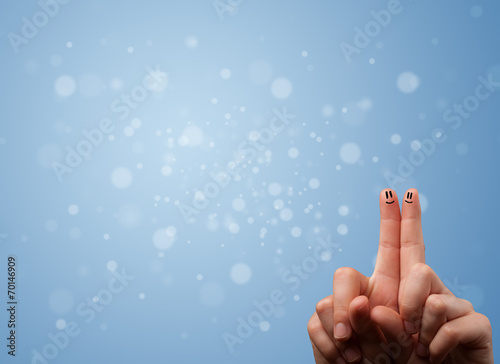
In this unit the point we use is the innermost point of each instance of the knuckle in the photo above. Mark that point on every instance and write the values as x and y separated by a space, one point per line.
421 269
450 332
325 305
435 305
314 326
406 307
467 304
484 322
341 313
344 273
385 243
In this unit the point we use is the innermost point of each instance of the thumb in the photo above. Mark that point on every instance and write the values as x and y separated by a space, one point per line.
399 344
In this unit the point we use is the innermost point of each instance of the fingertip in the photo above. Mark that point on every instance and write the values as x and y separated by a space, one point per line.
389 204
359 312
376 314
360 306
411 204
383 315
389 322
387 195
359 315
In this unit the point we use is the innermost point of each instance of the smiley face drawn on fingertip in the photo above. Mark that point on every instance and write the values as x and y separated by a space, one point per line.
387 193
409 195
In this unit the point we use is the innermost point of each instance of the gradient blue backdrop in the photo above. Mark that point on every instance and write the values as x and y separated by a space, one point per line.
222 78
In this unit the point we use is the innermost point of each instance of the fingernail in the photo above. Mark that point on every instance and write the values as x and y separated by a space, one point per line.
340 331
422 350
410 328
351 355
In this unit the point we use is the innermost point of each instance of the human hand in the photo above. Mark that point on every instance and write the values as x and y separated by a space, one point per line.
402 288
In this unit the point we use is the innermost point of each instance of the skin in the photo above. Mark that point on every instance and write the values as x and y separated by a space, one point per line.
403 313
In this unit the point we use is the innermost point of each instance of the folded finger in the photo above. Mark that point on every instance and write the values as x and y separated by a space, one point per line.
369 335
439 309
320 359
350 349
348 284
324 309
420 284
399 346
321 340
465 330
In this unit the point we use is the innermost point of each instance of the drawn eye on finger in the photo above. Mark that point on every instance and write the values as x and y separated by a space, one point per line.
409 196
388 195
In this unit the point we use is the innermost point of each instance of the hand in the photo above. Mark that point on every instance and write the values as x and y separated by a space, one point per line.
402 288
331 327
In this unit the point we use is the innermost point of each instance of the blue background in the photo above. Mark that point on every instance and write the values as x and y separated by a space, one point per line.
354 122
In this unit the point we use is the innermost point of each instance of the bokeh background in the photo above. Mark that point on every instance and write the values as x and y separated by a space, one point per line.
215 72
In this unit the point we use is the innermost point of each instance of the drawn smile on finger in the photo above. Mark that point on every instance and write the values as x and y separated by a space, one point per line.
409 195
387 193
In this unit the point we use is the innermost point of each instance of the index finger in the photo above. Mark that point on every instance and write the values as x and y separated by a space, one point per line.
412 240
388 248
